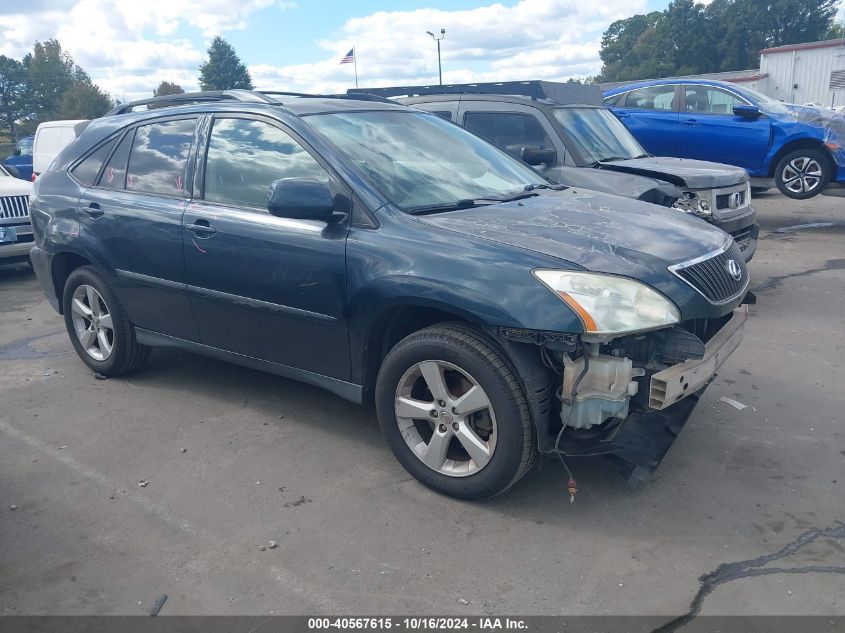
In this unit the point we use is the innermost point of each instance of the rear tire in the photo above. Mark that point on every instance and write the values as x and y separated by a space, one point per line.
98 326
803 174
480 443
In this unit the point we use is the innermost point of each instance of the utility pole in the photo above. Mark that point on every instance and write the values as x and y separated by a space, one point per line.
437 39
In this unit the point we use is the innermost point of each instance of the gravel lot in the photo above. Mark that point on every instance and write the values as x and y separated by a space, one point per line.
269 459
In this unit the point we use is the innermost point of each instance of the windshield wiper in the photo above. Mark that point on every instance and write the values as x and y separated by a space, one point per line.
610 159
532 186
470 203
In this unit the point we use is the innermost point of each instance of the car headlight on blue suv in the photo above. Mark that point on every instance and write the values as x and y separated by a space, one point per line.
607 304
694 205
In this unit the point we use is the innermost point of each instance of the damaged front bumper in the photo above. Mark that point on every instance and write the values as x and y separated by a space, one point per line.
645 403
679 381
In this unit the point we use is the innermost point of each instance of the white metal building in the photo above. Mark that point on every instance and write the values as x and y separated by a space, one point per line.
804 73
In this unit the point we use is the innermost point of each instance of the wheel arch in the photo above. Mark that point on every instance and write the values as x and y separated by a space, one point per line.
62 265
393 324
801 143
398 321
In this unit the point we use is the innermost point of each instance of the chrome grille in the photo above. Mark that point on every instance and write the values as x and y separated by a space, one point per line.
12 207
710 277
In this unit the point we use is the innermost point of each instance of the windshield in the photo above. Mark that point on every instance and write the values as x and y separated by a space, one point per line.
418 160
598 135
765 102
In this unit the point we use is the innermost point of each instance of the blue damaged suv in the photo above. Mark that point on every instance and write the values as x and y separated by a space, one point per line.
387 255
799 149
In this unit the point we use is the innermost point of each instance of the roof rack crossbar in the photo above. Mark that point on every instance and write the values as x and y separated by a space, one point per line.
559 92
249 96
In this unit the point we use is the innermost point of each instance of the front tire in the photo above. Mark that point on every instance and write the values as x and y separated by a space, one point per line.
454 414
98 326
803 174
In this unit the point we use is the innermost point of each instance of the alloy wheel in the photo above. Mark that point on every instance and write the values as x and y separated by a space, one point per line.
92 322
802 175
446 418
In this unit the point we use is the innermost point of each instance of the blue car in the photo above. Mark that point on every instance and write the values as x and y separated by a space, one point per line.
799 149
21 160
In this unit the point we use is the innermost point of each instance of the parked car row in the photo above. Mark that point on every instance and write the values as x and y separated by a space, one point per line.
561 129
387 255
34 153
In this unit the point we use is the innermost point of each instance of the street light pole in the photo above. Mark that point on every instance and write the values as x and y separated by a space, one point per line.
437 39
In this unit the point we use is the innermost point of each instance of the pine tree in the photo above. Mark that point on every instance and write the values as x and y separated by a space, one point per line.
223 70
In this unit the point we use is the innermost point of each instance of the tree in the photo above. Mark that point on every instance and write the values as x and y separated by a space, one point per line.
50 72
84 100
223 70
168 88
835 32
14 104
689 38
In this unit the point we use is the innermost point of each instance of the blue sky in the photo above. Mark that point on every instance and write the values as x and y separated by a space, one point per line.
129 46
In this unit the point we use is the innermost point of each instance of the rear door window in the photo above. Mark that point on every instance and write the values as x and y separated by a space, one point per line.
114 174
652 98
509 130
86 172
159 157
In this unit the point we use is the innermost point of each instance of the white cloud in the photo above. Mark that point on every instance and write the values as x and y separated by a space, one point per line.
545 39
129 46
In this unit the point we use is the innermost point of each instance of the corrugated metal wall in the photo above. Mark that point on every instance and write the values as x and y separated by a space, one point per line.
803 76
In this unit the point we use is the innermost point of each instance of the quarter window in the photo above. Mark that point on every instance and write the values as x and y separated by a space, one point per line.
159 157
114 175
245 157
86 171
703 100
652 98
508 130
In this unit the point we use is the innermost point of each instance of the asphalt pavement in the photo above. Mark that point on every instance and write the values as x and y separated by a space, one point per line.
235 459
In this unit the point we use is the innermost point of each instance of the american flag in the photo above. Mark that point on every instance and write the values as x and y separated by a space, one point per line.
349 58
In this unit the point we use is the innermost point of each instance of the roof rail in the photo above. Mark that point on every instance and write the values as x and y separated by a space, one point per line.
559 92
359 96
248 96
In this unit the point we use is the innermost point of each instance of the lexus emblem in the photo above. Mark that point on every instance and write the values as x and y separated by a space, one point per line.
733 269
735 200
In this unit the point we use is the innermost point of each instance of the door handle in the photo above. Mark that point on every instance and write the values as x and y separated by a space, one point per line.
692 122
201 228
93 210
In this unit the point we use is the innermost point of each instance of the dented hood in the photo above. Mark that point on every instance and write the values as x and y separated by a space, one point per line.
683 172
598 232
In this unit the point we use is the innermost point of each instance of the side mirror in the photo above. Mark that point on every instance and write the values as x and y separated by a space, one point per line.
300 198
538 155
747 111
13 171
17 151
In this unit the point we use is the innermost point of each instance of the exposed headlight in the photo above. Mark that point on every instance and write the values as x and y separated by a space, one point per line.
610 305
692 204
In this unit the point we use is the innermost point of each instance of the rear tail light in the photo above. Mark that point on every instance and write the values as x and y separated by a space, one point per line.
34 176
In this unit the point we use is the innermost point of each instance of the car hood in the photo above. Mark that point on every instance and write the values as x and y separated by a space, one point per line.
684 172
10 186
619 183
595 231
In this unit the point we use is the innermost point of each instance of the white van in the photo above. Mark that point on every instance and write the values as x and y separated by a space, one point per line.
52 137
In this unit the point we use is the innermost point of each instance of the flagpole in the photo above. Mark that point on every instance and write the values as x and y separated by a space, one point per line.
355 63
